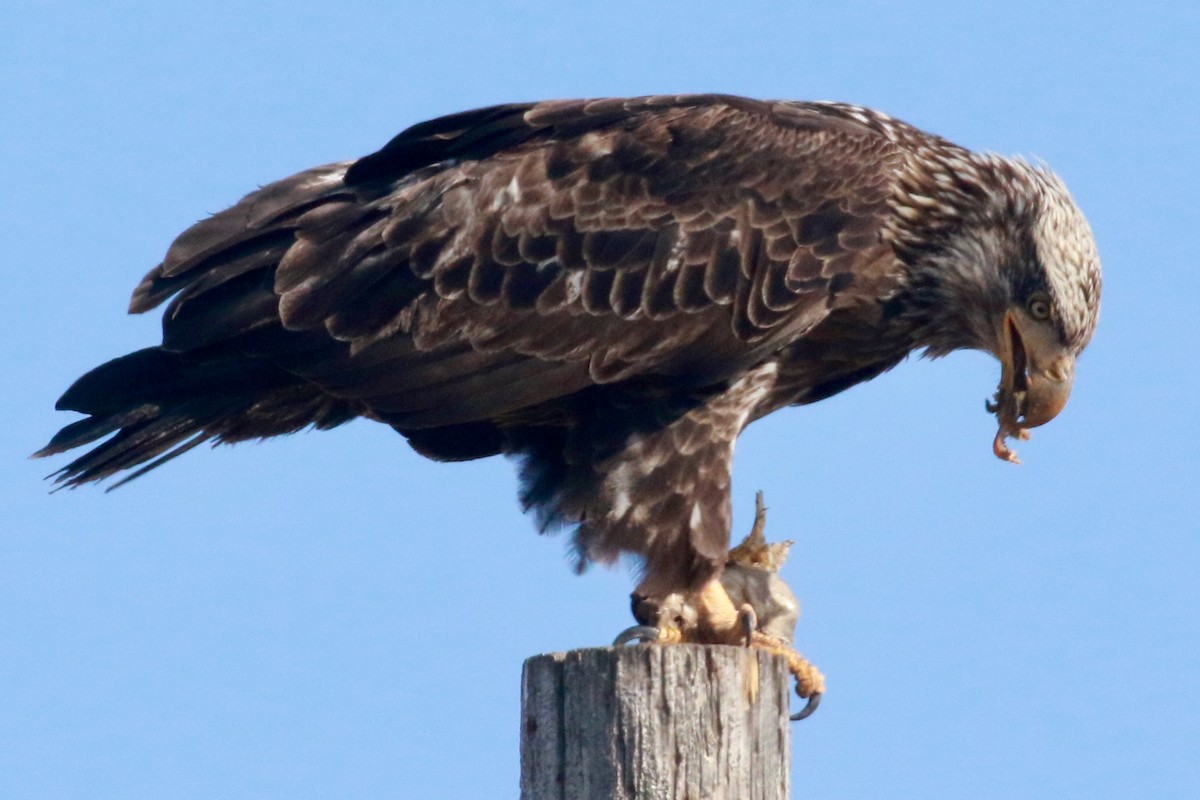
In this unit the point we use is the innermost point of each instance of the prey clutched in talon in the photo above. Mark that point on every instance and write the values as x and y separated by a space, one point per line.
751 577
749 605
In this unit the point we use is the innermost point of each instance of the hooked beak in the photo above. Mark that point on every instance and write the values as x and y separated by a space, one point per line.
1035 381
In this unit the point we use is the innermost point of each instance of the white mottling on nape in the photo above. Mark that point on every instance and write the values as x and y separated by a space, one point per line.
697 517
856 112
963 167
885 123
1068 254
944 180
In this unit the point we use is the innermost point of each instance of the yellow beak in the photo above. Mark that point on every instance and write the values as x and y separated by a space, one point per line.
1035 380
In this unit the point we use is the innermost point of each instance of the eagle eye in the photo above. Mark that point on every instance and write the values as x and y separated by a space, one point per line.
1039 306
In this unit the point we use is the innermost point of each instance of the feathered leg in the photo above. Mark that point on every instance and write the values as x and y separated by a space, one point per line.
764 617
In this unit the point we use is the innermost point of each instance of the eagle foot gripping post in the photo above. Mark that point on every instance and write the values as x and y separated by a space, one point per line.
750 605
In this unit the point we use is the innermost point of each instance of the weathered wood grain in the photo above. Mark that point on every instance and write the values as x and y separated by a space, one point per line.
679 722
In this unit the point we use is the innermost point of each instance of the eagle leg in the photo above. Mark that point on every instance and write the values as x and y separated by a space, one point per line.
763 617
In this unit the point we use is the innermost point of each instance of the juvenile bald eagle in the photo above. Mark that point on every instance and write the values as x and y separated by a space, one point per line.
608 290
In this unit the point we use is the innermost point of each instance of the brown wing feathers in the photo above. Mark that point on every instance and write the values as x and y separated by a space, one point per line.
499 259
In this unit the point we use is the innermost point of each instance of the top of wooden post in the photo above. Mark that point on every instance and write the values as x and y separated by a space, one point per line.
654 722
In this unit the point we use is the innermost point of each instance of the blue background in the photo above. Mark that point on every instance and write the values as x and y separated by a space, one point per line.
328 615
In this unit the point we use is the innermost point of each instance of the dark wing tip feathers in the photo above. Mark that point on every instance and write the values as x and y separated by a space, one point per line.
261 219
468 134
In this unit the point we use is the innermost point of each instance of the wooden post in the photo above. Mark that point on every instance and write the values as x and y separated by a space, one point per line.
652 722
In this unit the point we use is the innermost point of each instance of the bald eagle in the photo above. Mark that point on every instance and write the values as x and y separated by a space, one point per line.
608 291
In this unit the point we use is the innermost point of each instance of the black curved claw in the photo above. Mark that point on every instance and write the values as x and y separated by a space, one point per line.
638 633
749 622
808 709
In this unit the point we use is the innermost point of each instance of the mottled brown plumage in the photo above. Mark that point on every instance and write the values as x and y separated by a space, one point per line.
609 290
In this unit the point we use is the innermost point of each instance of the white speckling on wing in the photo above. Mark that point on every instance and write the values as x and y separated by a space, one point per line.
334 175
574 285
675 258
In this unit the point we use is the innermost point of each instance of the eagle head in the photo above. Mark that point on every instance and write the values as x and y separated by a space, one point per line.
1002 260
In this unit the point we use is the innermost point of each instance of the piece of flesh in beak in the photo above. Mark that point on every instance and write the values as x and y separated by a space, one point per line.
1035 380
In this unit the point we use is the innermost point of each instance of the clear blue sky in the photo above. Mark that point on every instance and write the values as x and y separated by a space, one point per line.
331 616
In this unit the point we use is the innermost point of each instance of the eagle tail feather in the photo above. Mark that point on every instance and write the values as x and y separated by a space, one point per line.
160 404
